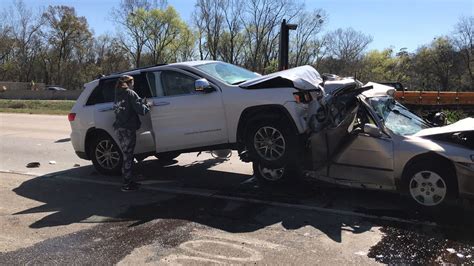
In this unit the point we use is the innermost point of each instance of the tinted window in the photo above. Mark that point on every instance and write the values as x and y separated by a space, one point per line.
154 81
104 92
141 86
175 83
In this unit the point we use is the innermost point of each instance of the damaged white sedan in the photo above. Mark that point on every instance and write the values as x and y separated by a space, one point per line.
359 136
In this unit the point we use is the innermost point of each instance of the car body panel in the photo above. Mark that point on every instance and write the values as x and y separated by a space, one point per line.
189 120
466 124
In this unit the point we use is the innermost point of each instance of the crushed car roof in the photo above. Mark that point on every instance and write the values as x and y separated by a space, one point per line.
378 90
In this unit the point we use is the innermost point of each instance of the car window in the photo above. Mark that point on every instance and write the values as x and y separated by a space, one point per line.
176 83
141 86
154 81
104 92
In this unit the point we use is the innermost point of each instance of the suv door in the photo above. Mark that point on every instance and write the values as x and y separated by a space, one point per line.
182 118
102 100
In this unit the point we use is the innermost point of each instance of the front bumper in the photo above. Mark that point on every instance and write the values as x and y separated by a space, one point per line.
465 176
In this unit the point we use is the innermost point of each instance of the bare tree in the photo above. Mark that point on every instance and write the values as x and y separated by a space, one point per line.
132 26
209 18
345 48
306 47
464 41
261 21
347 44
232 38
67 35
25 28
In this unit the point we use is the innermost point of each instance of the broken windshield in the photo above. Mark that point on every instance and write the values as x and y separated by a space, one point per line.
396 117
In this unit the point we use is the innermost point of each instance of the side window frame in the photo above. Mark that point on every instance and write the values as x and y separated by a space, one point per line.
179 71
98 92
166 71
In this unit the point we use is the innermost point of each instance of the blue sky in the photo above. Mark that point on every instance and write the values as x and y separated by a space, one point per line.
400 23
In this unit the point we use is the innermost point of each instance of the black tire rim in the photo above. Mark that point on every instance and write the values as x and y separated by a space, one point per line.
107 154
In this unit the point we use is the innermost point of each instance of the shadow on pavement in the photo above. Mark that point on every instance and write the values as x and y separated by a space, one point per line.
145 216
75 202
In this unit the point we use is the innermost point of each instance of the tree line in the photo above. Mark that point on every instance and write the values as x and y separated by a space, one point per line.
56 46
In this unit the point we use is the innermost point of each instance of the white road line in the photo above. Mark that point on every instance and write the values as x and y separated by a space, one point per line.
214 194
19 173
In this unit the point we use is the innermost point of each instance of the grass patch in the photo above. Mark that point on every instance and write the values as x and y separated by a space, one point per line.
454 115
54 107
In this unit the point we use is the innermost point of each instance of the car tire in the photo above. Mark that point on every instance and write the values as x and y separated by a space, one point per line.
430 185
272 143
276 176
167 156
106 155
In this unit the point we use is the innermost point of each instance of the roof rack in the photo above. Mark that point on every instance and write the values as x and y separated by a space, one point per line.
130 70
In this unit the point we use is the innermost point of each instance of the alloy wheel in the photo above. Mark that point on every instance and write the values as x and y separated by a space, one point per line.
107 154
428 188
269 143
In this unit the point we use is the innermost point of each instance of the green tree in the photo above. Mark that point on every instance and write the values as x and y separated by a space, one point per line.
379 66
434 64
68 37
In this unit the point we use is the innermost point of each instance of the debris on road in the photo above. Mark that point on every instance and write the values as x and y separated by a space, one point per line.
361 253
76 165
52 162
33 165
451 250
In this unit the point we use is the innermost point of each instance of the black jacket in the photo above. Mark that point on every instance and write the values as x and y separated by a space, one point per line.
127 106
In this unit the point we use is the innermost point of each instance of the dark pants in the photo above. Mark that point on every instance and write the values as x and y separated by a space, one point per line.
127 139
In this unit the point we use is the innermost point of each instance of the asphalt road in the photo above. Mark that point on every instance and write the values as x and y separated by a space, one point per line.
199 210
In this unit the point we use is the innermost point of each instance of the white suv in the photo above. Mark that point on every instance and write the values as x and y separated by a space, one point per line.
197 106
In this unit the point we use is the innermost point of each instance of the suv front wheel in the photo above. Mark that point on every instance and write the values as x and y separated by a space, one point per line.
106 155
271 143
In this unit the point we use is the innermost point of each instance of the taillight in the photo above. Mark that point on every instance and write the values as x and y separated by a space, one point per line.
71 117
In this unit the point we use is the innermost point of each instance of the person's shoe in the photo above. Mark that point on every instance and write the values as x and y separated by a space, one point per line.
132 186
135 184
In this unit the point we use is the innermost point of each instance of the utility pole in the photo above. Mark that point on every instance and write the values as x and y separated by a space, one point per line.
284 44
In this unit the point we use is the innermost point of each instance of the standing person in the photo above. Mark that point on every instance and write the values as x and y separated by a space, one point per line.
127 106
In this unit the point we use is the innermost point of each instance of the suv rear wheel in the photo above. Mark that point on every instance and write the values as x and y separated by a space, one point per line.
271 143
106 155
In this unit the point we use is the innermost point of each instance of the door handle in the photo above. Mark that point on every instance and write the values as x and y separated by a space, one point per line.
160 103
106 109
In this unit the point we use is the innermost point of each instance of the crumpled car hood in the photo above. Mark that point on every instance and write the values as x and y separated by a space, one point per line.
302 78
466 124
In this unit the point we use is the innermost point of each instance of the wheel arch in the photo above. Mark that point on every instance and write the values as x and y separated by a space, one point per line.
93 133
428 156
262 112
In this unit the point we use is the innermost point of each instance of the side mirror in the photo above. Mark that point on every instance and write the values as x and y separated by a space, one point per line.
372 130
202 85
